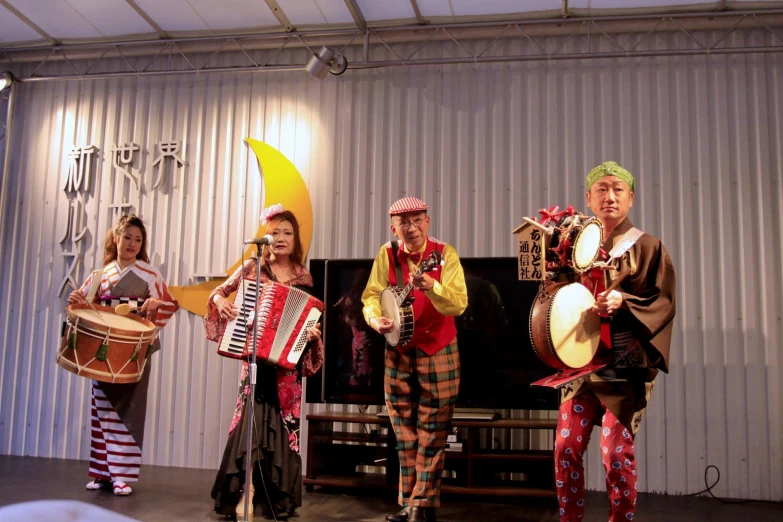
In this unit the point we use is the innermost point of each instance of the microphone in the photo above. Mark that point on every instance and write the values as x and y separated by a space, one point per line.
266 240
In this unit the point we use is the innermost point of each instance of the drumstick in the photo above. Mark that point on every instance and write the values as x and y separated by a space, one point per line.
88 303
617 281
122 309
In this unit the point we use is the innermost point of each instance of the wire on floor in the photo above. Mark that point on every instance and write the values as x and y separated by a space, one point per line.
724 501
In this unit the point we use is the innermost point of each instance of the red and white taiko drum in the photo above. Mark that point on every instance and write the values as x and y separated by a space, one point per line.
102 345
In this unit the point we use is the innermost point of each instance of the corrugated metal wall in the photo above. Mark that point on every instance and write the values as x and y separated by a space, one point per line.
3 124
484 145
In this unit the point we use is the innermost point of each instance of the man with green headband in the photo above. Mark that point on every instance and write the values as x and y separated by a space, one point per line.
637 327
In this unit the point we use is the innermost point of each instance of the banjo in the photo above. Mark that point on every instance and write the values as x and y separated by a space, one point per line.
397 307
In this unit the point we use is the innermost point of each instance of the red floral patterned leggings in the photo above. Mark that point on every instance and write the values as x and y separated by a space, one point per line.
574 426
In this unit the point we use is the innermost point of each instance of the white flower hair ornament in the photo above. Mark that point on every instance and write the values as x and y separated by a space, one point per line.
270 212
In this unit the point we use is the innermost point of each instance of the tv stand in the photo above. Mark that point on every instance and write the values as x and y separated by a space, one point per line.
333 457
460 415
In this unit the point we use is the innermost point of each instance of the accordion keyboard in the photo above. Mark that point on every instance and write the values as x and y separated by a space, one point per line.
235 336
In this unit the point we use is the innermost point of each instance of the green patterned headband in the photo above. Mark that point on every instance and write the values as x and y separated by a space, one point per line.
610 168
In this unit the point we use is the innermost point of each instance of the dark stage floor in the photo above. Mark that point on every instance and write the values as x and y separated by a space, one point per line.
169 494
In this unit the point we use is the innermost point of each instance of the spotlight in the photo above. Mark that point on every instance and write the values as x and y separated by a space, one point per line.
326 61
5 80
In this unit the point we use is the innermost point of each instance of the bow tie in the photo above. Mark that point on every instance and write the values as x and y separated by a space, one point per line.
403 256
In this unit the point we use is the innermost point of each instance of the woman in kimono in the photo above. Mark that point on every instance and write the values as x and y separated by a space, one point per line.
278 392
118 410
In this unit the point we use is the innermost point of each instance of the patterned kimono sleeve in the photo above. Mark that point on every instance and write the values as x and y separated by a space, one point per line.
214 325
313 358
85 288
168 304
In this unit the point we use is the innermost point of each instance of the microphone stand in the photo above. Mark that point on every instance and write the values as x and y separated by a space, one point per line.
251 373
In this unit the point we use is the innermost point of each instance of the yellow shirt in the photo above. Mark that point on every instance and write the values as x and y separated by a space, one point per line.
449 296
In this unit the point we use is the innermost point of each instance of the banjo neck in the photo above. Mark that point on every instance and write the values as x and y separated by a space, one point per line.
395 307
429 264
407 290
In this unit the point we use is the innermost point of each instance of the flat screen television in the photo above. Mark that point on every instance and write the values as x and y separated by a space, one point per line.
496 357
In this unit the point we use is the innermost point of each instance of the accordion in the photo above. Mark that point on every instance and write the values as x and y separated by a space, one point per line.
283 316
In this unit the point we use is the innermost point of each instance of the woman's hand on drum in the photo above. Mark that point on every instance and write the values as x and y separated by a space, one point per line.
608 303
226 308
382 325
150 305
76 297
314 332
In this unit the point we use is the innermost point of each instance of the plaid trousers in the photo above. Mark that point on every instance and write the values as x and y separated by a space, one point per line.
420 393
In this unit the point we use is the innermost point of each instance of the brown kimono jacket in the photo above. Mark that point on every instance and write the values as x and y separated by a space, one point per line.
641 329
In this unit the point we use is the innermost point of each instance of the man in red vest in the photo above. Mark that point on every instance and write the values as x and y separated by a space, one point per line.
421 379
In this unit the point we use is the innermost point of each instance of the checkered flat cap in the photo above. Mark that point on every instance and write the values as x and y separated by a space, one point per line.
405 205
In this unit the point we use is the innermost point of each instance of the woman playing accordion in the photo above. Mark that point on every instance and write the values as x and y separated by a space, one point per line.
278 392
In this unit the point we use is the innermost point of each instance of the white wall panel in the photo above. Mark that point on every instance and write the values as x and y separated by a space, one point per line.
484 145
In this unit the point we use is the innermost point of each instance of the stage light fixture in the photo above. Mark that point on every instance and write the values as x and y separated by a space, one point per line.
5 80
326 61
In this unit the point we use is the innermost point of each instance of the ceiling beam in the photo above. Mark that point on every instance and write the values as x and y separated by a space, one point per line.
419 19
146 17
358 17
641 24
29 22
280 15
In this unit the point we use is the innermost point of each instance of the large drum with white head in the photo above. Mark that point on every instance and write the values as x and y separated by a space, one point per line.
102 345
564 331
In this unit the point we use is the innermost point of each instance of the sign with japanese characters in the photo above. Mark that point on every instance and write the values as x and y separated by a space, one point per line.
77 187
531 243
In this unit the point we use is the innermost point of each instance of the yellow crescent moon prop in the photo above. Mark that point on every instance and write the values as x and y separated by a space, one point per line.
283 184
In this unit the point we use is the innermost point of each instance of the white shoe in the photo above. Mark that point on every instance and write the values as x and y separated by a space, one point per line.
97 484
121 489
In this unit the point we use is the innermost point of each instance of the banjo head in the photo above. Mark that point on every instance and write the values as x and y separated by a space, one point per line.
391 311
574 330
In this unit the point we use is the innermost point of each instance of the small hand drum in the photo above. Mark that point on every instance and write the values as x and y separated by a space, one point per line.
576 242
587 245
102 345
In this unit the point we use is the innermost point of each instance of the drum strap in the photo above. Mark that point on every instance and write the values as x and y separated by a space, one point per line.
625 243
395 245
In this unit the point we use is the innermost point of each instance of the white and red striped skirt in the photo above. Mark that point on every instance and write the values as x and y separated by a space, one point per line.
114 453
